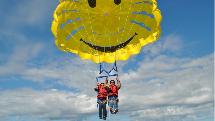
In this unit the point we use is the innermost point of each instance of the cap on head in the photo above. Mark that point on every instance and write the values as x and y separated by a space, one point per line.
112 81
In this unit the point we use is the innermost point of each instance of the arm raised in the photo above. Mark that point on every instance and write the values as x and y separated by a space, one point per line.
118 83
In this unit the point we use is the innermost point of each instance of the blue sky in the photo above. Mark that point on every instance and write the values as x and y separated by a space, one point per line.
172 78
193 20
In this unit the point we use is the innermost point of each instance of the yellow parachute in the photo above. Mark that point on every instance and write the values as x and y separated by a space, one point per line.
105 30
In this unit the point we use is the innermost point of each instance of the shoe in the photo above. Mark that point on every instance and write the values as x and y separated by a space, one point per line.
104 118
116 110
100 117
111 110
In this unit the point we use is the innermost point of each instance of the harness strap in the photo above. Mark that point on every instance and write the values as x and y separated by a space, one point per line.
113 100
103 102
102 69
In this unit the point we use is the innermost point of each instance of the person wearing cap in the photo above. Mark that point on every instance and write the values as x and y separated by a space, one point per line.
113 95
102 88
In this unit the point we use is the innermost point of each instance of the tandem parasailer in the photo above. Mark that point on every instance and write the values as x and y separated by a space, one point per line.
106 31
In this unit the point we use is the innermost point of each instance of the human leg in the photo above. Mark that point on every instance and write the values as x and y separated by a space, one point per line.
115 104
111 104
104 111
100 108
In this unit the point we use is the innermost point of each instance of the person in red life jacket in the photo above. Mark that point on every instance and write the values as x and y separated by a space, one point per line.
102 99
113 95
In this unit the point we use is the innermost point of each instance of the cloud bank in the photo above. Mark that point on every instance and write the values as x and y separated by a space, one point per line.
162 87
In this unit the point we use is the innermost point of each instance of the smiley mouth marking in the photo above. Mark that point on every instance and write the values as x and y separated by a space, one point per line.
109 48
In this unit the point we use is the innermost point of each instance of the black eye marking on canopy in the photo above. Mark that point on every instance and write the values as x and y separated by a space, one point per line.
110 48
117 2
92 3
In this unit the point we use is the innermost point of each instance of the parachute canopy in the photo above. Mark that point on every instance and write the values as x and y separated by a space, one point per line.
105 30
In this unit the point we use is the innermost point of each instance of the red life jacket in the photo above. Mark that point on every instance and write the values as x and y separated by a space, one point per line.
102 92
114 90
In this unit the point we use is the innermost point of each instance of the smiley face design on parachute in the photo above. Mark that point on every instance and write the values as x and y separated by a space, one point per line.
106 26
112 48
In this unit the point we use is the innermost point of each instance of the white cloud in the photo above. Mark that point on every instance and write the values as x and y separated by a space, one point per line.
168 90
173 113
50 104
17 61
168 86
171 44
168 81
76 74
29 12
